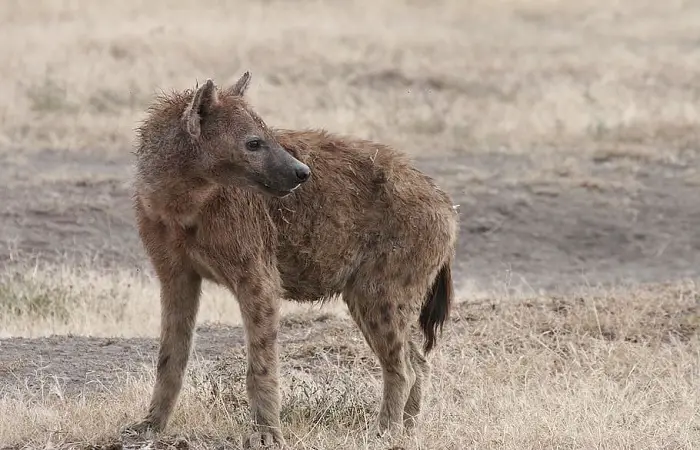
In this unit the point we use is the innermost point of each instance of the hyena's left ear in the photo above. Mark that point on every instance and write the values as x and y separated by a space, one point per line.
204 100
241 85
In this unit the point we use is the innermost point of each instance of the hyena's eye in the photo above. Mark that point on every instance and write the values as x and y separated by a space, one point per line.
253 144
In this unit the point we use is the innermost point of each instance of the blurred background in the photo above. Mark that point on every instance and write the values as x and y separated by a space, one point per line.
432 77
565 130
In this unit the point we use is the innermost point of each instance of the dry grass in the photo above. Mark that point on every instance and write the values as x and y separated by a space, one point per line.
608 370
44 300
448 76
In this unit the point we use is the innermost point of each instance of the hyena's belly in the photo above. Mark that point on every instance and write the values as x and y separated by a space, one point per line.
308 279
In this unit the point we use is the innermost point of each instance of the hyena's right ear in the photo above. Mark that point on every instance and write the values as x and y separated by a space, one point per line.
204 100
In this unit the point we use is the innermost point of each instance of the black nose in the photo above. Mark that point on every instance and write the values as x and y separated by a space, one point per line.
303 172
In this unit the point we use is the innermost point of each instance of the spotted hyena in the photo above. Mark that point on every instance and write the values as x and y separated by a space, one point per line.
301 215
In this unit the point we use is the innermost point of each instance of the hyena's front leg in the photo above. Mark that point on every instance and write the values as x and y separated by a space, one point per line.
259 303
180 292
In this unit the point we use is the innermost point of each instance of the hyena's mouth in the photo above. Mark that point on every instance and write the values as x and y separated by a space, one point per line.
280 193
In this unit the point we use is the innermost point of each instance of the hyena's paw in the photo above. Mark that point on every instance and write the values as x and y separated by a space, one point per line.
394 437
145 427
409 423
263 440
383 430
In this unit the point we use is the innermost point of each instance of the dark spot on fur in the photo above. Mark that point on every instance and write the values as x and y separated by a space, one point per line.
256 317
244 280
269 311
263 342
386 313
245 260
266 340
373 238
372 324
256 371
163 361
394 352
191 231
380 176
255 289
390 336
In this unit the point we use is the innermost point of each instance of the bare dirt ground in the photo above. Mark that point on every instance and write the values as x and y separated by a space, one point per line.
618 222
566 131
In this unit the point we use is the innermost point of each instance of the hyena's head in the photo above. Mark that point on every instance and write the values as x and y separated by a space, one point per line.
231 144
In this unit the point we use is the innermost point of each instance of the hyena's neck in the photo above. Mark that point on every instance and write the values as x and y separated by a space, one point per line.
177 203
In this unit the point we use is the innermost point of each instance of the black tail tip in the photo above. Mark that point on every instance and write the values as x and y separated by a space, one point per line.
436 308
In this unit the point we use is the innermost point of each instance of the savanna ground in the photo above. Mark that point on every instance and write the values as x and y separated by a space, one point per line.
566 131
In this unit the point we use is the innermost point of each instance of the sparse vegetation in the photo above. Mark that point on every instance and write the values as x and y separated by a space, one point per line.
24 299
475 76
608 369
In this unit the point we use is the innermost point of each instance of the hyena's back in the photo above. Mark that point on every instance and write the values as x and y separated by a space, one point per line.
366 218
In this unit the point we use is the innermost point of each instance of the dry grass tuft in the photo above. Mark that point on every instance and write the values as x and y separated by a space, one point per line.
43 300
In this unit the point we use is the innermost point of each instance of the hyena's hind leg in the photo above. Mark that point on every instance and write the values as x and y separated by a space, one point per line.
384 326
421 369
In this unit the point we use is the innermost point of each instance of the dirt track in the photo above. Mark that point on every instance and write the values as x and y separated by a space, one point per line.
78 364
610 221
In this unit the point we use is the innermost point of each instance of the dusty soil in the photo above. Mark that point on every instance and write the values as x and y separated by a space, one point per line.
606 220
75 364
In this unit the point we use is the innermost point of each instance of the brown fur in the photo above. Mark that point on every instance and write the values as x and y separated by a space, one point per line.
366 225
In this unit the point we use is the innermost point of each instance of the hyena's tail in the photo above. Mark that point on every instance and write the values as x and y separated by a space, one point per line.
436 307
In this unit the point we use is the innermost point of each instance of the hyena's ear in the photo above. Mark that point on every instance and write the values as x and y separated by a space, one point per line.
204 100
241 85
